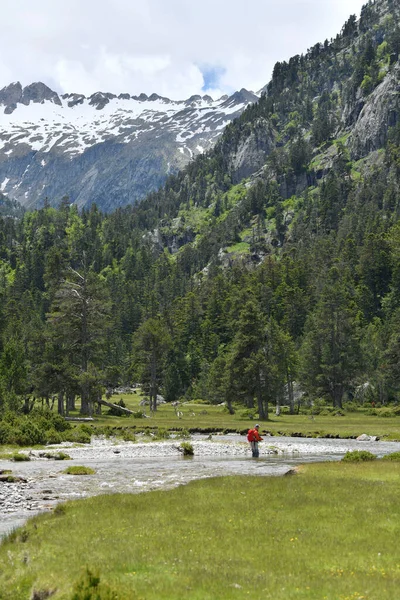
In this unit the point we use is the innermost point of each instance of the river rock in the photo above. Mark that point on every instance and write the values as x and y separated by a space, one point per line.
367 438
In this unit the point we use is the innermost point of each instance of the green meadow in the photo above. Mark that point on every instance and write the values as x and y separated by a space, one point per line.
199 416
330 531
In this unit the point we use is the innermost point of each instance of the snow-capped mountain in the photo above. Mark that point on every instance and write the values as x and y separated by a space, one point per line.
107 149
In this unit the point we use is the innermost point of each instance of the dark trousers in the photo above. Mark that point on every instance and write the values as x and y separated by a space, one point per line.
254 449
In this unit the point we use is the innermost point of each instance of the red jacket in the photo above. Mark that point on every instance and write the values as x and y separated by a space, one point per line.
254 436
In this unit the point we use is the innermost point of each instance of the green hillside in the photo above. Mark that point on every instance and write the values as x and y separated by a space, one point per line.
269 265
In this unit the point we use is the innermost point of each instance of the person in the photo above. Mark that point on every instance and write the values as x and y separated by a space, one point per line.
254 437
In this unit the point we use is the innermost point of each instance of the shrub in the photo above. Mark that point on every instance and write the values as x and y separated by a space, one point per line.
90 588
7 433
53 437
183 434
128 436
86 428
20 457
352 407
187 449
62 456
116 412
57 456
78 435
29 434
393 456
325 412
318 405
358 456
79 470
138 415
59 510
162 434
249 414
385 413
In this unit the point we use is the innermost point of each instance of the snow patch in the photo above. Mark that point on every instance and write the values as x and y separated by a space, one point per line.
4 184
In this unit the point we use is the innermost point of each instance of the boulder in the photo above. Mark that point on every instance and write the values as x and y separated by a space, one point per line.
367 438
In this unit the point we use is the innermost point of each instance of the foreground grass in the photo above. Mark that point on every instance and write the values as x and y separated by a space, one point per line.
329 532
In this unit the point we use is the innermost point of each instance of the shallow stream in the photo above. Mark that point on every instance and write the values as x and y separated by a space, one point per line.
136 467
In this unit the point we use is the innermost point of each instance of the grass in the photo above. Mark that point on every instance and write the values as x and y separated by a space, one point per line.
329 532
79 470
209 419
18 457
239 248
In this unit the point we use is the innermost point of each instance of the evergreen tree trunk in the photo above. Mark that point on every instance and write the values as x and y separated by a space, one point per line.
70 403
260 404
229 405
153 382
290 392
249 401
60 403
338 396
278 407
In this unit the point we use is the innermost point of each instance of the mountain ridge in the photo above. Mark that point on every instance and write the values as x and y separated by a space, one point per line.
107 149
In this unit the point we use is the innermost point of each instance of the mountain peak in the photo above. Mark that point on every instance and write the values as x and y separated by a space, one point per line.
38 93
241 97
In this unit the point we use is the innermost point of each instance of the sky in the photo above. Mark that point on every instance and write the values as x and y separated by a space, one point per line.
175 48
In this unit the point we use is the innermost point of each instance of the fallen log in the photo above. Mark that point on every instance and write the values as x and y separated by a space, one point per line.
80 419
116 406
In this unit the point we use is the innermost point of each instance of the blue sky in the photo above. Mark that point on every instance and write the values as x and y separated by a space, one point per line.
175 48
212 76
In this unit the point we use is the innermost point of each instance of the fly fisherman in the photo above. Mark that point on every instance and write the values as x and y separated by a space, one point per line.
254 437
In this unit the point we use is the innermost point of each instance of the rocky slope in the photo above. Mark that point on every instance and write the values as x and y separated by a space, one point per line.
105 149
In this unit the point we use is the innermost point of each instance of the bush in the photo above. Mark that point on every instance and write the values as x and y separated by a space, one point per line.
116 412
358 456
183 434
249 414
318 405
90 588
79 470
32 429
7 433
57 456
138 415
78 435
162 434
393 456
20 457
371 412
59 510
187 449
29 434
128 436
53 437
86 428
326 412
385 413
352 407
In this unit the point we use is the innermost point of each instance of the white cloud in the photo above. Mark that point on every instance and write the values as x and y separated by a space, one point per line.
157 45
